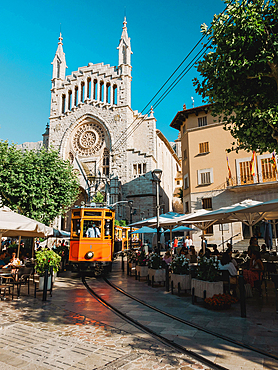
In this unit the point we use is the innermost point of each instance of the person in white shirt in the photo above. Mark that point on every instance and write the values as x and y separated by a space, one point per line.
188 242
93 232
226 264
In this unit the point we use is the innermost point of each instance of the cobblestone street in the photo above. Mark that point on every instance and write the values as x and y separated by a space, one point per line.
40 336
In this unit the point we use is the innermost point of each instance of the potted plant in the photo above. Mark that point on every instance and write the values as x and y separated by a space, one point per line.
180 277
156 272
46 258
207 283
131 259
141 264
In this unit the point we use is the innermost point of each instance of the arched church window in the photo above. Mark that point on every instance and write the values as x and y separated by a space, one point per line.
95 89
105 162
76 96
108 92
88 87
63 103
70 102
124 54
115 99
58 68
82 91
101 90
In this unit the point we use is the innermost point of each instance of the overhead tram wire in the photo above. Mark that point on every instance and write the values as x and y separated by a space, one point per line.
165 83
173 84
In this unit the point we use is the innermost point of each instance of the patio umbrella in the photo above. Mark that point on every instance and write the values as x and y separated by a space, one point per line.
152 220
14 224
233 213
144 230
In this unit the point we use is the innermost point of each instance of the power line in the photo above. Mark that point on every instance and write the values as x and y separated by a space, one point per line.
176 81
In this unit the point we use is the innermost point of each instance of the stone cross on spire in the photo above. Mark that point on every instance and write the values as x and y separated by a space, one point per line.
59 61
124 46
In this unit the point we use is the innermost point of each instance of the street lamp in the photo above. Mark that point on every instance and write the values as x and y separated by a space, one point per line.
157 173
130 203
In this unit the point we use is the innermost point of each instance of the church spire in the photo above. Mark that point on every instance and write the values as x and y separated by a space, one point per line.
124 46
59 61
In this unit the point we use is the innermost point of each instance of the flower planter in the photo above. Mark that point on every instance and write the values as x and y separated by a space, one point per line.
157 276
181 282
142 271
41 282
198 287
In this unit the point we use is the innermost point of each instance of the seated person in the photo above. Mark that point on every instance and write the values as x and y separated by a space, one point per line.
2 262
167 257
183 251
93 231
215 251
255 269
264 253
226 264
192 255
13 262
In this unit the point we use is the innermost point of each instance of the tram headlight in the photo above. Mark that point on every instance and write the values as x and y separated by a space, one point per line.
89 255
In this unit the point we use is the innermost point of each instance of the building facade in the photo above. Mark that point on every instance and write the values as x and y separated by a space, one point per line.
213 178
113 147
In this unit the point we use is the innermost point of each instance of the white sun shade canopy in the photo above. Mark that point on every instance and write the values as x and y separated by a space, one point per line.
14 224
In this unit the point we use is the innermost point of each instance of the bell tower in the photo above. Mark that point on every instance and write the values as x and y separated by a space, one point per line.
124 66
59 65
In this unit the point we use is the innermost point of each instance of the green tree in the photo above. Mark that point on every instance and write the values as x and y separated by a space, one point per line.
180 195
240 72
98 198
38 183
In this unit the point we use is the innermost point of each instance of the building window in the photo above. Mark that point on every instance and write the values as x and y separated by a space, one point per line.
139 169
76 96
178 182
101 90
144 168
186 207
135 169
268 172
207 203
88 88
185 154
204 147
185 182
105 162
245 173
82 91
115 95
63 103
224 227
69 101
202 121
108 93
209 230
205 177
95 89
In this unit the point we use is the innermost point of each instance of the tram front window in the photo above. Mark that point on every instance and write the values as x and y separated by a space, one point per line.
108 228
76 228
91 229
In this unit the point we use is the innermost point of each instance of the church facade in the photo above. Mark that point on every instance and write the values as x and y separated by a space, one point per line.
114 148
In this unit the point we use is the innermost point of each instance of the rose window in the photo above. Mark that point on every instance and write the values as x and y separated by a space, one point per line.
88 138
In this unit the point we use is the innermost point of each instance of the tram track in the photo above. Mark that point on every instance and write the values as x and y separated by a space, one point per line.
162 339
195 326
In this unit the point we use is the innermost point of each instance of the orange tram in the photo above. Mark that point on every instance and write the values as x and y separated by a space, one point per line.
94 238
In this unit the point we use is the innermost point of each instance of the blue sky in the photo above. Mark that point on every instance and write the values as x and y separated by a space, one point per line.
161 32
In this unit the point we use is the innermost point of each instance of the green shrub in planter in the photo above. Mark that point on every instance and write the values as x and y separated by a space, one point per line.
180 265
208 269
45 258
155 262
